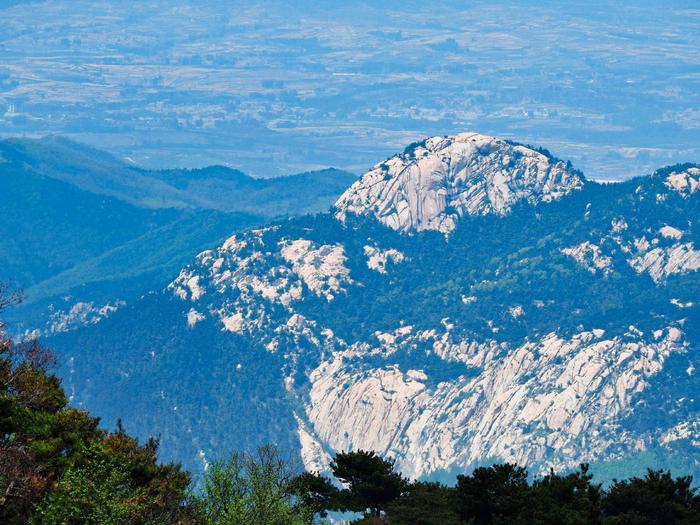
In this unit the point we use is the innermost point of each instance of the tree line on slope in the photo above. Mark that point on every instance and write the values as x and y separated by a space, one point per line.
58 467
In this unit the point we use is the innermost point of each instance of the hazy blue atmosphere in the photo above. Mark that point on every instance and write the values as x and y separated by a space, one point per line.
282 87
396 262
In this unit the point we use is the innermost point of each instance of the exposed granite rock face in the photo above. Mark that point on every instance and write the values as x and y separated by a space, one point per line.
377 259
432 185
684 182
245 282
552 400
659 253
80 314
545 402
590 256
321 268
662 261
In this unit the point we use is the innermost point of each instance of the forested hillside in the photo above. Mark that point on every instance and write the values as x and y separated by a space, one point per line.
85 232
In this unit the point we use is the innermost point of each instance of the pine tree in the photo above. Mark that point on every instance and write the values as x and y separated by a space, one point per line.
371 481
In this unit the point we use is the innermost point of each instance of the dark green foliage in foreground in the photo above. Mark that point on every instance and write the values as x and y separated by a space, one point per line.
492 494
371 481
316 492
655 499
427 503
58 467
115 481
502 495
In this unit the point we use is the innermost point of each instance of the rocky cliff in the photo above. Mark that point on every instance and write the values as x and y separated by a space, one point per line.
435 182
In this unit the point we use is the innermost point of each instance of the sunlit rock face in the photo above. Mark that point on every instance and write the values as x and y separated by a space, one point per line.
434 183
552 401
686 182
441 396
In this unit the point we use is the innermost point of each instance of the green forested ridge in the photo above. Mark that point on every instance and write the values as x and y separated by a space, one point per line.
216 187
81 225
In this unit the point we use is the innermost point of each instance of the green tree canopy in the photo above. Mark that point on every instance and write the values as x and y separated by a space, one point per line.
58 467
371 481
251 489
493 494
426 504
655 499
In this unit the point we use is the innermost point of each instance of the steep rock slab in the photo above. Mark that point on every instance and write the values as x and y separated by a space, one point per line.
434 183
554 401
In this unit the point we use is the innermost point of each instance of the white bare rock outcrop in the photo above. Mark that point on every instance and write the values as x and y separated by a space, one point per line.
445 178
662 261
377 258
321 268
80 314
659 256
590 256
259 280
520 404
684 182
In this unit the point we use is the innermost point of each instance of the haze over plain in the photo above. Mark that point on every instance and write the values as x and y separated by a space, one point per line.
282 87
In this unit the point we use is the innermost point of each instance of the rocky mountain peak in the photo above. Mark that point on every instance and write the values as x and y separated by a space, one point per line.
685 181
435 182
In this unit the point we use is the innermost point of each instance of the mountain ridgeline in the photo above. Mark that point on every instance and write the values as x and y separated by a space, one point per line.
469 300
84 232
